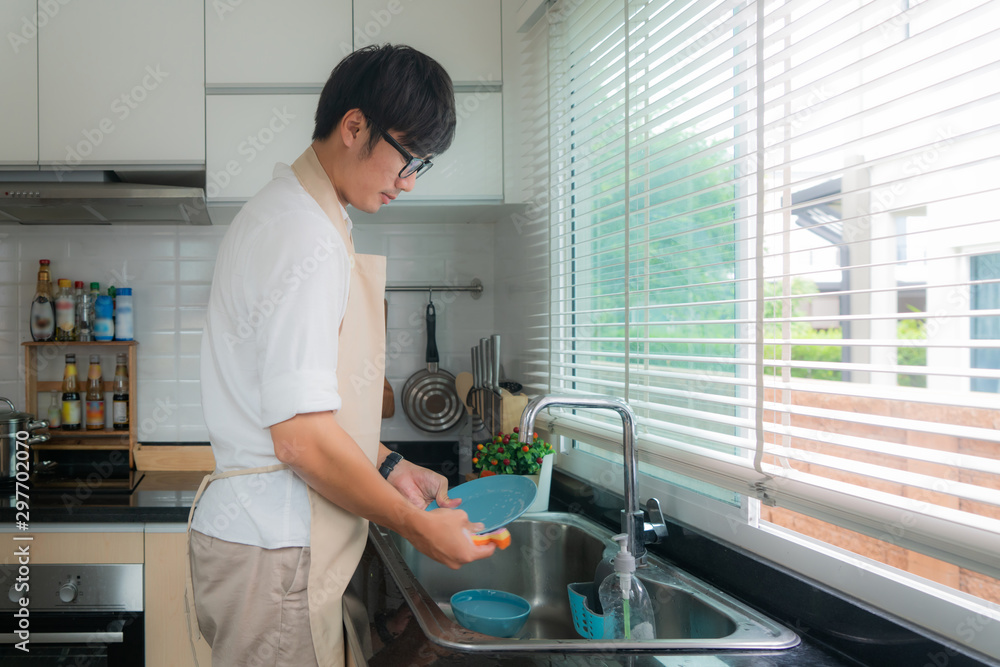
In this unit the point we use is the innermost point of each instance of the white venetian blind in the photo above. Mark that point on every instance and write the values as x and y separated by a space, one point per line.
774 230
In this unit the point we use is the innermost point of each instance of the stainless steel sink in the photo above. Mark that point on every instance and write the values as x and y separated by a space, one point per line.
550 550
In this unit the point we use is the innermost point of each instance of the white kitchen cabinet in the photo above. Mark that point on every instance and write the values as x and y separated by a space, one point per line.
19 83
248 134
462 35
472 168
274 43
122 82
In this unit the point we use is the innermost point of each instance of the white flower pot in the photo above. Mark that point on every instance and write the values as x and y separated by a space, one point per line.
543 480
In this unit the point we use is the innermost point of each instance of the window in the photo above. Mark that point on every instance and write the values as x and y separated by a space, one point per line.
986 296
773 230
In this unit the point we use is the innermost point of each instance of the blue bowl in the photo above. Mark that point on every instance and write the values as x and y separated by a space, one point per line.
490 612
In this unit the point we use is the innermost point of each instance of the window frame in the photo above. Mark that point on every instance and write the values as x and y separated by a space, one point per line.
942 610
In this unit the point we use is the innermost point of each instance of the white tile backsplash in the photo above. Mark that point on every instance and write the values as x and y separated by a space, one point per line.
170 270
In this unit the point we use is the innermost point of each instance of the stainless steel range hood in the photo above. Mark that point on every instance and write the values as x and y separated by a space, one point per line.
100 203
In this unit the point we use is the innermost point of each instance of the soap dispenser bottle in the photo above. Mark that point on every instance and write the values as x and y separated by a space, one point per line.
628 610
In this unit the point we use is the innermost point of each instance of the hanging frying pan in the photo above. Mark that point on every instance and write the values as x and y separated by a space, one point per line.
430 400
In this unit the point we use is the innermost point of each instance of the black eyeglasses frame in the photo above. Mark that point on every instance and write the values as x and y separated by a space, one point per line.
414 165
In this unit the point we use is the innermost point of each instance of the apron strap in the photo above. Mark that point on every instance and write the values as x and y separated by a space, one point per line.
194 630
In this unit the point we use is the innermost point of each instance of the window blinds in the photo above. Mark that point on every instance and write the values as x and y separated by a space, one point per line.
774 232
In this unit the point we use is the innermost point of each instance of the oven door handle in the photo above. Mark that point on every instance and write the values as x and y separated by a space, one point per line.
67 638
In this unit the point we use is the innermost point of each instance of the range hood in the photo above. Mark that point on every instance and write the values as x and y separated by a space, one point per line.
100 203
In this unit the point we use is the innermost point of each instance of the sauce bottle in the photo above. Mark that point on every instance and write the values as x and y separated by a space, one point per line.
71 408
42 320
119 414
95 395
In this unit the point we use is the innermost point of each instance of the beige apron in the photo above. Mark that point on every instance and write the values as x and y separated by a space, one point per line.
337 537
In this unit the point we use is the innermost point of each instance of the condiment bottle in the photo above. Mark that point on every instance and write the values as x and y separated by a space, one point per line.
42 320
84 313
104 327
95 395
119 414
55 410
123 314
71 408
65 312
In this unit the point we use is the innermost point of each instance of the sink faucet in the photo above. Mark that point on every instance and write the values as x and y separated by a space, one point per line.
633 524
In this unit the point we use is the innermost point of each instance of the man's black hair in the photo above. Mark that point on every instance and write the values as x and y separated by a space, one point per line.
397 88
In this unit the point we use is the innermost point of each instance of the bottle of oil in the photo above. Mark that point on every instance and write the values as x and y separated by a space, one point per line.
71 408
95 395
119 414
43 313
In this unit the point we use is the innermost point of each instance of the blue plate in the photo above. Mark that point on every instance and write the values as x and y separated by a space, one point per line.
494 501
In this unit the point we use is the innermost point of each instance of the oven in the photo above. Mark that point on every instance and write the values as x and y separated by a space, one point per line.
72 615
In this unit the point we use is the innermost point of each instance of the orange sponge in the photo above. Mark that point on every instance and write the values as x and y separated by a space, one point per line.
500 537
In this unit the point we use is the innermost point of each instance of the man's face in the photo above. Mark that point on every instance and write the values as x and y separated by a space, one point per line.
375 182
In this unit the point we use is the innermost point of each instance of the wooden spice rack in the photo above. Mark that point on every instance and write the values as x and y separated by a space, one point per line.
39 354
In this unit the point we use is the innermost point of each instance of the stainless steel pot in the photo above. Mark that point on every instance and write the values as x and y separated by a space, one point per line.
17 427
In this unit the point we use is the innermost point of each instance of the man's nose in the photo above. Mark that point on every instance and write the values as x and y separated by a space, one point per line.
407 183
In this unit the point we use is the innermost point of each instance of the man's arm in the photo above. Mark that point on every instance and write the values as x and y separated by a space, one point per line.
317 449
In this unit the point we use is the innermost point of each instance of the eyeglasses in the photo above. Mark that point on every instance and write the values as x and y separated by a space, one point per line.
414 165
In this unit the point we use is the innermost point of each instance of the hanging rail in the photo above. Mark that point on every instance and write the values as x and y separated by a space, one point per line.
476 287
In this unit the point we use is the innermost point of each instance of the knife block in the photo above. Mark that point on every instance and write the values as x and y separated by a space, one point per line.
511 408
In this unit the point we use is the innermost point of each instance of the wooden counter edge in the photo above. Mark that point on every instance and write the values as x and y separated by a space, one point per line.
187 458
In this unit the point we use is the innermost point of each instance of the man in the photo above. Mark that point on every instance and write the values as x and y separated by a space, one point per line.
294 323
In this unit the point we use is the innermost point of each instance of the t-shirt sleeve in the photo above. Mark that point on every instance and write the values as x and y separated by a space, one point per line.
298 279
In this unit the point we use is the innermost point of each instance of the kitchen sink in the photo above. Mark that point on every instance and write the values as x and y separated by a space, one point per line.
548 551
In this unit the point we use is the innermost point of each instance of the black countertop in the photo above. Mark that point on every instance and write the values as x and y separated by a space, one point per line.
159 497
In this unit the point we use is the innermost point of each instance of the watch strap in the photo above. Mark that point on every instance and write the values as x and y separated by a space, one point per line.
389 464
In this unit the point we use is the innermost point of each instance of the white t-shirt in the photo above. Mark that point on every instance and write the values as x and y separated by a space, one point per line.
269 352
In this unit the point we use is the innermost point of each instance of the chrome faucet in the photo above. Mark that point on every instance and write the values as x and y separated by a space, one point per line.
639 532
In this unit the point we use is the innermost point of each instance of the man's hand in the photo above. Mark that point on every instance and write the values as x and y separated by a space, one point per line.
420 486
446 536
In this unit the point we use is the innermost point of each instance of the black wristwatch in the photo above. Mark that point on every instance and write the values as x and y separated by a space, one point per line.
389 464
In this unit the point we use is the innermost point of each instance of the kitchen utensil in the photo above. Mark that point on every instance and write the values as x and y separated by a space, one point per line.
388 398
429 399
483 394
479 432
499 537
13 422
463 385
493 501
508 384
490 612
473 398
491 391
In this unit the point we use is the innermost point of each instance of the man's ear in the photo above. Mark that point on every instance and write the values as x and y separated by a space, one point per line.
353 128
